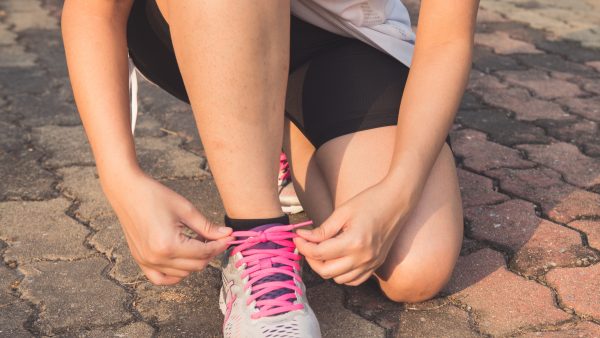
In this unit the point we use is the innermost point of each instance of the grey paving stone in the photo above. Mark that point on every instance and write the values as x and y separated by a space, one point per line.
16 81
488 61
583 133
446 321
73 294
44 109
24 178
14 312
64 146
552 62
190 308
110 240
136 329
164 158
501 128
27 14
327 302
82 184
202 193
369 301
16 56
12 138
41 230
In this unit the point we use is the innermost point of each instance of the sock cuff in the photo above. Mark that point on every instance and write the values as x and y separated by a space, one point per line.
248 224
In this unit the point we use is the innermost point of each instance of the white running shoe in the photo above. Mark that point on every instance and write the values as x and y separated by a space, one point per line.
263 294
290 204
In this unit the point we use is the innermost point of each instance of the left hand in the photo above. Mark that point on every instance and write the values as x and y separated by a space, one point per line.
355 240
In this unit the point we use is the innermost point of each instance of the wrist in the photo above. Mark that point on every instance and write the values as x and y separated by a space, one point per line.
116 178
405 186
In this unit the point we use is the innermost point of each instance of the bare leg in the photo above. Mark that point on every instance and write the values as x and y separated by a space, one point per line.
425 252
234 59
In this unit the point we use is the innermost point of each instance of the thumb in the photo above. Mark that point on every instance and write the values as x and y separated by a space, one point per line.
326 230
192 218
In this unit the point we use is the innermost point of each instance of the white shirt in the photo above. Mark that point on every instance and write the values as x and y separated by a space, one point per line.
383 24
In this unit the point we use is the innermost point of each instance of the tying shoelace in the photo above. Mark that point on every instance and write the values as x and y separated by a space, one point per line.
271 268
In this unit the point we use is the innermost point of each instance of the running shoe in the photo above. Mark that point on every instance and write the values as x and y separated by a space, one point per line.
290 204
263 294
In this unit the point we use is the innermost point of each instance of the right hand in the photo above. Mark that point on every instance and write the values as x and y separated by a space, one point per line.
153 218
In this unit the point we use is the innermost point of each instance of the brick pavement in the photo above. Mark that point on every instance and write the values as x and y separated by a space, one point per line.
527 145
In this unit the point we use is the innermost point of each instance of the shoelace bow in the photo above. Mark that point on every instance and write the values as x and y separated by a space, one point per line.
260 264
284 169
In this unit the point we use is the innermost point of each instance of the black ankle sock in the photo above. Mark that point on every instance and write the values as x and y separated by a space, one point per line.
247 224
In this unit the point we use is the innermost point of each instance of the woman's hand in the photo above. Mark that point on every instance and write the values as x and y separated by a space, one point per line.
355 240
153 218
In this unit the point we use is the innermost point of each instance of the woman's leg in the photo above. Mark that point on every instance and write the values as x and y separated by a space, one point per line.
234 59
424 254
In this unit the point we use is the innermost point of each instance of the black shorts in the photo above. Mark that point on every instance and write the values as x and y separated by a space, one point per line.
337 85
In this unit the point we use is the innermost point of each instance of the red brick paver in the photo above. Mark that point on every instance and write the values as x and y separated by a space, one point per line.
502 301
578 289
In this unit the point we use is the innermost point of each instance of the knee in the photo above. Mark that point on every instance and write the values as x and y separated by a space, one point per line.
412 288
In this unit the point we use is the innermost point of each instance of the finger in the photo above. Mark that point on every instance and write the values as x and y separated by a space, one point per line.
354 277
158 278
316 266
330 249
197 249
328 229
361 279
336 267
193 219
186 264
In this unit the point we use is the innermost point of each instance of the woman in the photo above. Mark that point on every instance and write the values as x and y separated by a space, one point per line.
375 175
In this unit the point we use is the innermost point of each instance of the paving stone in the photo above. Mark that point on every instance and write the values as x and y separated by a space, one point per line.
190 308
572 20
537 244
525 106
578 289
7 37
110 240
480 154
16 56
15 81
164 158
560 201
551 62
565 158
184 125
44 109
594 64
13 311
12 138
502 43
327 302
586 107
369 301
501 128
471 101
41 230
502 301
568 49
541 83
64 291
584 133
27 14
487 61
591 229
23 178
447 321
65 146
480 82
472 268
570 330
137 329
48 46
82 184
477 190
202 193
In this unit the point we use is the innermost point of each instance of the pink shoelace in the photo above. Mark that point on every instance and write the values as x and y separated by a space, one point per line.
284 169
261 263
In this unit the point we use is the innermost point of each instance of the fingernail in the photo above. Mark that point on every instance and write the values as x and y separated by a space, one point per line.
224 230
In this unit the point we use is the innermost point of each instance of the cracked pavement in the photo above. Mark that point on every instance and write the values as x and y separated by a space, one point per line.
526 141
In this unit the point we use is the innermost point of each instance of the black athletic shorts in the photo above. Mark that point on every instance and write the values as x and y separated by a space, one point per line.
337 85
